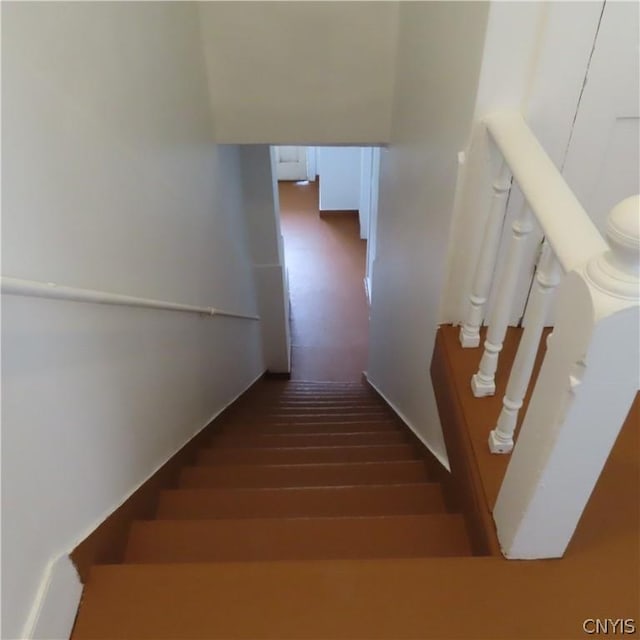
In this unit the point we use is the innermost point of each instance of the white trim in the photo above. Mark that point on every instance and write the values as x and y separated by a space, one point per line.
58 597
439 458
367 289
312 163
36 289
56 603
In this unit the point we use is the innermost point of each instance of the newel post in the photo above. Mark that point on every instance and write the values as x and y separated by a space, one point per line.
583 394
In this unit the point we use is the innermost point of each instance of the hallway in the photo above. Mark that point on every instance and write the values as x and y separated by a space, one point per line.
325 259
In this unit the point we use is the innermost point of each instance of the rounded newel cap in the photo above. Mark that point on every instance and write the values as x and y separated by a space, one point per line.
623 225
616 271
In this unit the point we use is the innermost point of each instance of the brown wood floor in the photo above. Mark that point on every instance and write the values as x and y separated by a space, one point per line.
325 260
601 567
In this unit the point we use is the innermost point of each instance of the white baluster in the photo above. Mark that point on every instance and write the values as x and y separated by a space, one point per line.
586 386
483 382
470 330
547 278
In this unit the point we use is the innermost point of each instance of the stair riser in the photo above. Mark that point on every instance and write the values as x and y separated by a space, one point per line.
306 455
306 408
314 384
321 393
254 417
301 502
296 539
303 475
308 440
341 401
307 427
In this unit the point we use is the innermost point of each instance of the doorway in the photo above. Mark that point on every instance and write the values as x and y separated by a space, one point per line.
327 219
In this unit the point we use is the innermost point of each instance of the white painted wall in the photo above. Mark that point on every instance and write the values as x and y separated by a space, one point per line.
339 171
535 58
111 181
262 211
440 47
312 163
366 174
300 72
373 218
602 163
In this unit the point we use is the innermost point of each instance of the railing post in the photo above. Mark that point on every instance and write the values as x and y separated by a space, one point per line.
547 278
483 382
587 383
470 330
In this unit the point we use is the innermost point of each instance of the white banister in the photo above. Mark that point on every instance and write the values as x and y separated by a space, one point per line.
483 382
565 224
34 288
547 278
470 330
584 391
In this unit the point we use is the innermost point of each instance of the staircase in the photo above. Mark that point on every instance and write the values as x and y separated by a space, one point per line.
302 485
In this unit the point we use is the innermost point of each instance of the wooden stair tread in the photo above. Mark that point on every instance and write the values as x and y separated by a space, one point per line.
310 426
295 521
356 500
311 400
309 393
327 474
231 440
300 455
314 416
291 600
440 534
304 413
329 406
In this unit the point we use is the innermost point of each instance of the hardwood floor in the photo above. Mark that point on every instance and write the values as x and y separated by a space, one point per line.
325 259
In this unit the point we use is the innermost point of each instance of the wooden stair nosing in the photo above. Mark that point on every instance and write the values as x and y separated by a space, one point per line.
356 500
256 440
327 474
320 395
330 384
304 410
440 534
311 416
301 455
308 427
323 402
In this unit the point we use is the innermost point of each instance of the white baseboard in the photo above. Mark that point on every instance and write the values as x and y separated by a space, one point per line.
444 462
54 611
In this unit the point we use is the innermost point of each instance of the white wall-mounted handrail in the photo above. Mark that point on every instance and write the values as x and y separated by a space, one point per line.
566 225
34 288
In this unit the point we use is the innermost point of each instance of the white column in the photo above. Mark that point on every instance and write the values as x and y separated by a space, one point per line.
470 330
587 383
547 278
483 382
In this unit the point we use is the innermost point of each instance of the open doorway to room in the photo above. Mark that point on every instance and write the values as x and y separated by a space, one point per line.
328 215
